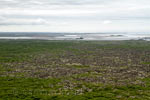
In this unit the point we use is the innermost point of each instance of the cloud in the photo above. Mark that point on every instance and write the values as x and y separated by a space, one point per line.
38 21
2 18
107 22
109 14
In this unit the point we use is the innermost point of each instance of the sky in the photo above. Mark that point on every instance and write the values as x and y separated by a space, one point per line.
74 15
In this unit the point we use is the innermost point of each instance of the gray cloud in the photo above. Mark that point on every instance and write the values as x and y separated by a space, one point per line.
108 14
7 22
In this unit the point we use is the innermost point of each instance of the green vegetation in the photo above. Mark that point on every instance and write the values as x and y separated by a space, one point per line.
74 70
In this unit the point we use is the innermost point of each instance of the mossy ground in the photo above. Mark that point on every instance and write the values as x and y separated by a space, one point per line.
74 70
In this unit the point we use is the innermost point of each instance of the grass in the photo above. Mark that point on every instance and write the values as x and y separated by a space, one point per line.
74 70
32 88
148 63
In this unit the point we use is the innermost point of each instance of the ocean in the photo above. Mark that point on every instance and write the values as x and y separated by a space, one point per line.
76 36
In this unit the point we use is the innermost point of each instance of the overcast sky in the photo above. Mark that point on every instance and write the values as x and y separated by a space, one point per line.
75 15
